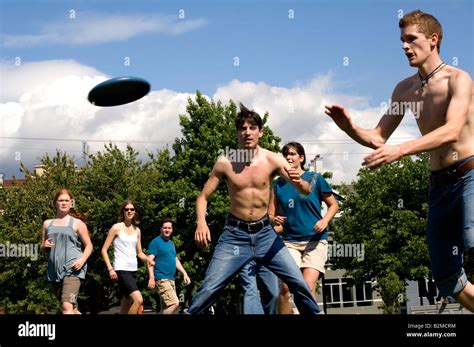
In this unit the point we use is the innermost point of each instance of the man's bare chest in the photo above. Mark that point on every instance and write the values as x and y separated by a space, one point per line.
428 105
243 176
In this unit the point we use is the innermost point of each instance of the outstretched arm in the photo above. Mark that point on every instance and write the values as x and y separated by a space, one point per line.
373 138
367 137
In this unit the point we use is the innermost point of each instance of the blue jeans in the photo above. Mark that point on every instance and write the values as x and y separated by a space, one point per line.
269 289
450 230
234 250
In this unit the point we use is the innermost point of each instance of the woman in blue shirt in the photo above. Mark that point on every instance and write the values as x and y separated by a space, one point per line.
304 228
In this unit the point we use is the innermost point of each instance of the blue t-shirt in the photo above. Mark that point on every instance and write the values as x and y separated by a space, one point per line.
165 258
302 211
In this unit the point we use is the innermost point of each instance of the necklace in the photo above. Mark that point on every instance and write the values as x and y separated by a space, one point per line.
424 81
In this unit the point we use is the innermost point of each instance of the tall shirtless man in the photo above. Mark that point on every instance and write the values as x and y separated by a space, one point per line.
442 96
248 234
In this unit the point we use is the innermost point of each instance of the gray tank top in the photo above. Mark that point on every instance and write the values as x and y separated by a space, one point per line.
66 249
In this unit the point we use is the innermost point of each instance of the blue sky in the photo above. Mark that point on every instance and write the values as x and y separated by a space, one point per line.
270 46
200 50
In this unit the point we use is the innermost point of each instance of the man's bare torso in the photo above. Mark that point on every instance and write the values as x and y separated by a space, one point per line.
249 185
432 104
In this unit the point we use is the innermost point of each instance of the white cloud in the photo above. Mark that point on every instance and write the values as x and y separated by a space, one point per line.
92 28
49 100
25 79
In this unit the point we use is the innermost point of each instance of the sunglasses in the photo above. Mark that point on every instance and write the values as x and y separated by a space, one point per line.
129 209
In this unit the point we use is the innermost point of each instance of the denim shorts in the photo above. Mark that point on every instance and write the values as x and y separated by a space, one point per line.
450 230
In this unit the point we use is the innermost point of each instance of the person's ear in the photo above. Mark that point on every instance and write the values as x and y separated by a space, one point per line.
434 40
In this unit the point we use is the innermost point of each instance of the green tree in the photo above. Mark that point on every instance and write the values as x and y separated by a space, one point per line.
386 211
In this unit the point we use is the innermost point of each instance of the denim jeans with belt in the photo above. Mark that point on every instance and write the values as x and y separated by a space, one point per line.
236 248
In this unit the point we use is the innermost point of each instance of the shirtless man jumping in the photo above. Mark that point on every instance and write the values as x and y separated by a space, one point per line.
248 234
440 95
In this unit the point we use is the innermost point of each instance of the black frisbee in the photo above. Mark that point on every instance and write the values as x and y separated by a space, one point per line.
118 91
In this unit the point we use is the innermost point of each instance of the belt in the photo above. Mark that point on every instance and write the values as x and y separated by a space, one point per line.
451 175
249 227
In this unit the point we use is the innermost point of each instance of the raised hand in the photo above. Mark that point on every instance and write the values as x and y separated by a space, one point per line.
340 116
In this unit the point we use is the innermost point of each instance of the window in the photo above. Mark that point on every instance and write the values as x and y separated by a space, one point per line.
345 293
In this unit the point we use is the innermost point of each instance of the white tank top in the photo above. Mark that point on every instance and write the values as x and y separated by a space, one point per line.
125 251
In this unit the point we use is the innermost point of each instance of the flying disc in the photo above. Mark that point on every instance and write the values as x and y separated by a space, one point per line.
118 91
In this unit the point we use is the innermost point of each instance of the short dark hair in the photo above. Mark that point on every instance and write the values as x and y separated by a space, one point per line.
166 220
298 147
247 115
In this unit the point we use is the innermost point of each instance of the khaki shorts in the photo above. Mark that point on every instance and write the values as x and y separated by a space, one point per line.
70 289
167 291
311 254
